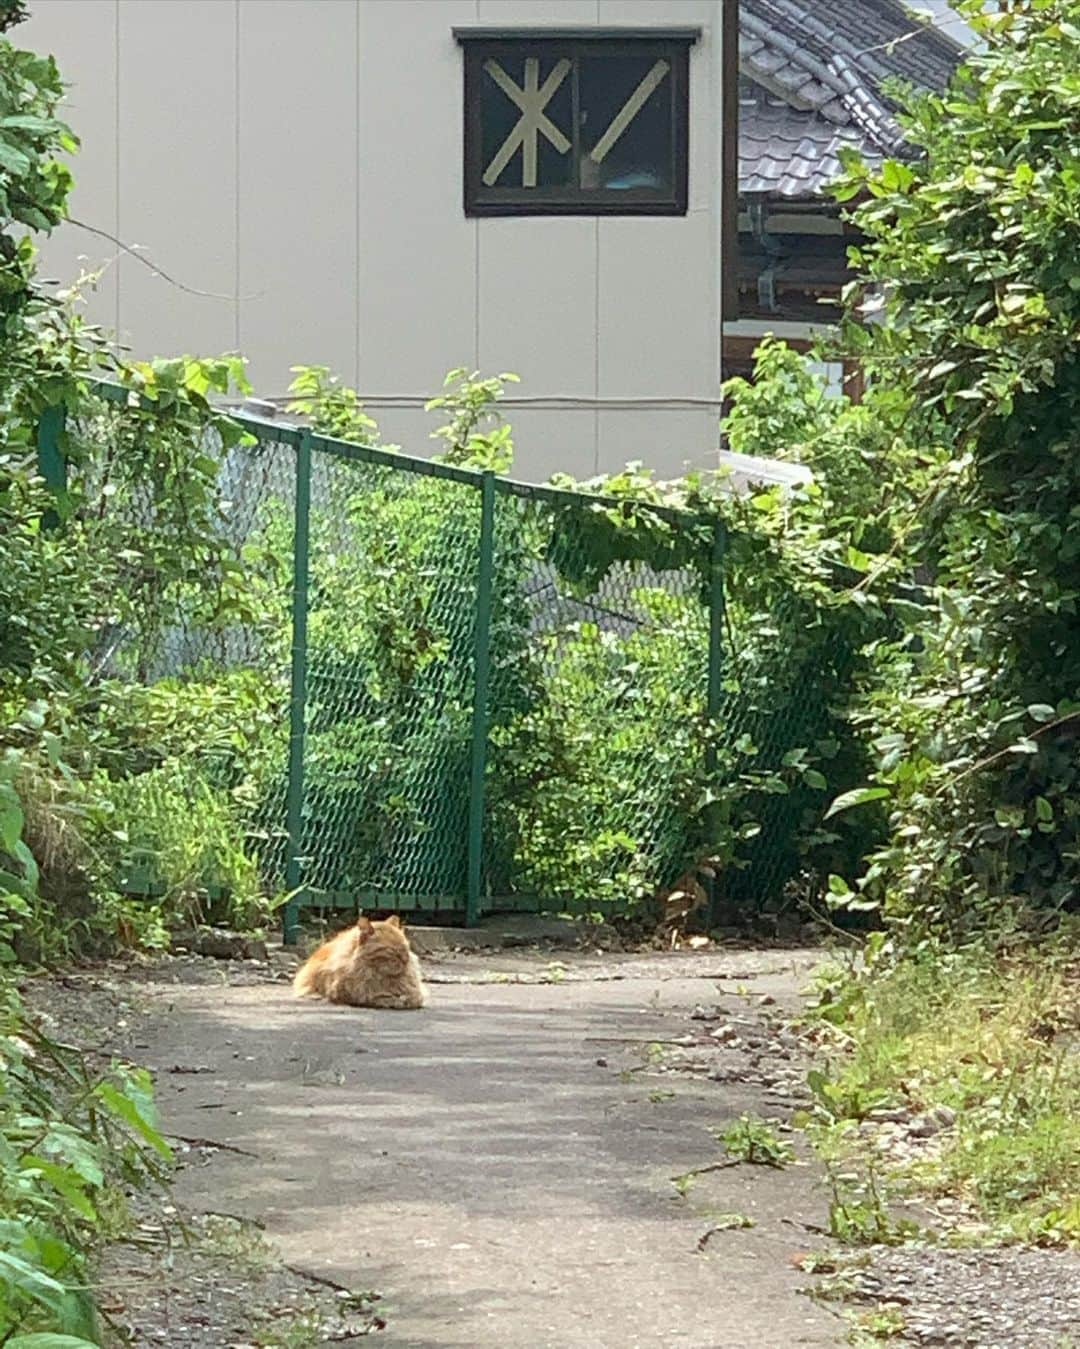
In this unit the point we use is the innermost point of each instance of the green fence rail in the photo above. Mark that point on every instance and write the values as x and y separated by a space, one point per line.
462 701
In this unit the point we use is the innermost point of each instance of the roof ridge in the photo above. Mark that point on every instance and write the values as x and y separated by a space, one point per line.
828 57
790 47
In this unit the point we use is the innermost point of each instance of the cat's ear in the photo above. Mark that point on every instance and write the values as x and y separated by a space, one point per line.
363 927
393 920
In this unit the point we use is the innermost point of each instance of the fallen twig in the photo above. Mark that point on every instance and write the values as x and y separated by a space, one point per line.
701 1170
807 1227
687 1042
210 1143
703 1240
319 1278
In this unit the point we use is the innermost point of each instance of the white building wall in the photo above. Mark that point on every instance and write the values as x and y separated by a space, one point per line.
298 163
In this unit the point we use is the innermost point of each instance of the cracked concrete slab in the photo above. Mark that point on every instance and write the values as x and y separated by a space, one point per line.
490 1165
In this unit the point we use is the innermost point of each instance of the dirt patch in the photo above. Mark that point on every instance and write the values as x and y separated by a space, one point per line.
211 1281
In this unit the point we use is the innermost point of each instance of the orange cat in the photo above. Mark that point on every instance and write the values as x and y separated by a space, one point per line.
369 965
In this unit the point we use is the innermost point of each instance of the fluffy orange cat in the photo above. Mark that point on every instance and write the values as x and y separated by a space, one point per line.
368 965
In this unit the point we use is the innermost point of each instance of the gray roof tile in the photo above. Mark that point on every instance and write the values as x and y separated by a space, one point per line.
791 152
827 63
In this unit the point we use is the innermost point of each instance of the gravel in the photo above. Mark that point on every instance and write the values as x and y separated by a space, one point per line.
1001 1298
994 1297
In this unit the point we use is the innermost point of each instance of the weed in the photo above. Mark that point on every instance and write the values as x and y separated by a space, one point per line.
858 1212
836 1287
884 1322
755 1141
232 1241
819 1262
303 1330
684 1183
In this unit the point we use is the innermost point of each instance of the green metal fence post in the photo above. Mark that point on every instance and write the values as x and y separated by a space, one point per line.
298 694
715 694
51 462
481 668
716 622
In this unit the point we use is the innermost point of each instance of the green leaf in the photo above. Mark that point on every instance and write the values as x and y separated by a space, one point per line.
66 1182
33 718
22 853
11 825
34 217
1041 712
125 1109
857 797
817 1081
41 126
14 161
16 892
76 1151
813 778
34 1282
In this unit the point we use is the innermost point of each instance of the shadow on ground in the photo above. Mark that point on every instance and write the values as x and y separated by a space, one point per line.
497 1166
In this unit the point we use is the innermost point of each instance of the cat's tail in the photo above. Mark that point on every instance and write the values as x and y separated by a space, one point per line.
306 981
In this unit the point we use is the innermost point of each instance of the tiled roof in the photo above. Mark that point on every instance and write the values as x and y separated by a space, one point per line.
813 75
784 152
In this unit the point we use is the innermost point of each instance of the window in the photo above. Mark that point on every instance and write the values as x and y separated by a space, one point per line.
576 122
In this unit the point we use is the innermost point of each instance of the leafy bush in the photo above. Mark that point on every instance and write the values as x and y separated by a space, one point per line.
68 1140
476 436
67 1143
179 840
140 574
975 714
796 633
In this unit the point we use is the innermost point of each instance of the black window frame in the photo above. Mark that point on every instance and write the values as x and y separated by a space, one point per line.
670 44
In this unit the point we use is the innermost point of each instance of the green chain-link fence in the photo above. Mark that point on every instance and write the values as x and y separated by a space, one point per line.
463 697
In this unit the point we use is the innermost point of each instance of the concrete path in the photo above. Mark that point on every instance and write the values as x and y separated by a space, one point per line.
488 1165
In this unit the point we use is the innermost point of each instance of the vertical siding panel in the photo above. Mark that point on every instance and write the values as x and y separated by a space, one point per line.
659 331
177 173
81 34
537 297
417 250
298 188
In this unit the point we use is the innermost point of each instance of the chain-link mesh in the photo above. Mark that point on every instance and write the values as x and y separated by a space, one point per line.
596 712
780 689
390 662
193 648
592 737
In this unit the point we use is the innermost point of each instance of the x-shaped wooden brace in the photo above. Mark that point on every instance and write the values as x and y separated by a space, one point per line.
533 122
534 97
